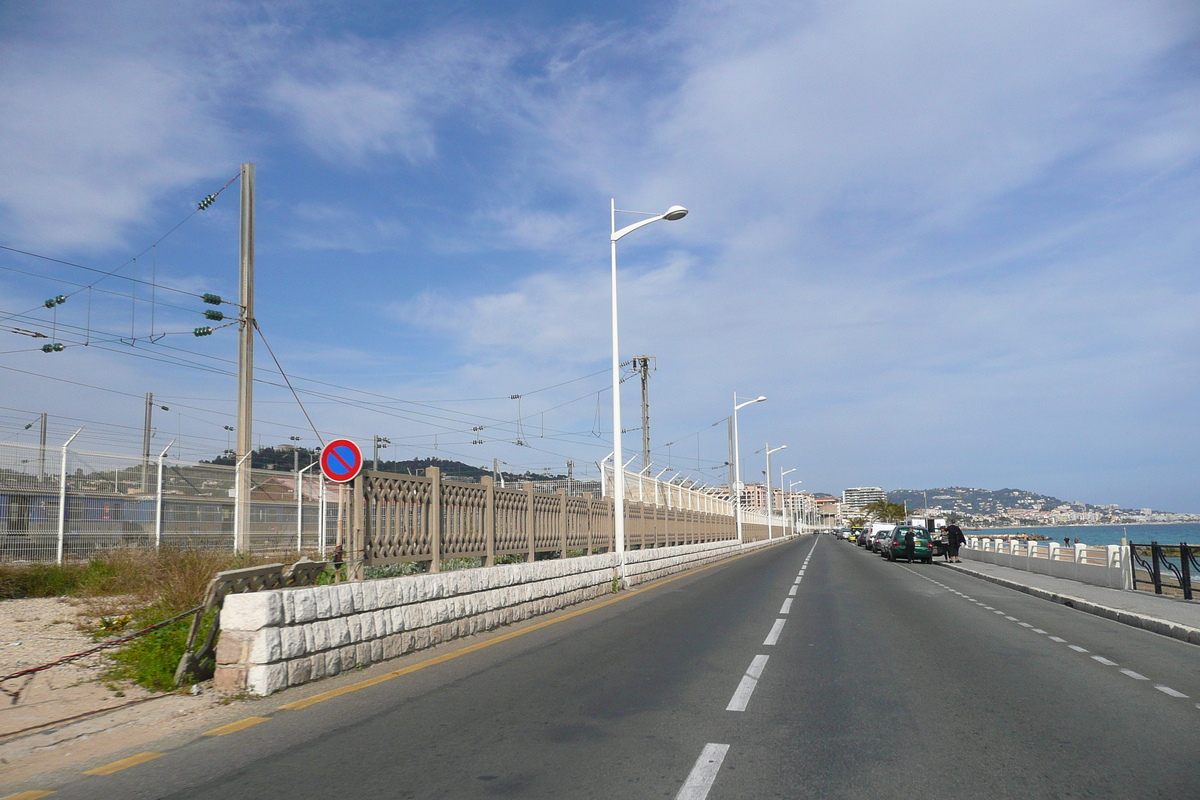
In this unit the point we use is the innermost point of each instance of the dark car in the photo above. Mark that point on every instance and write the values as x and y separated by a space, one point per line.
895 545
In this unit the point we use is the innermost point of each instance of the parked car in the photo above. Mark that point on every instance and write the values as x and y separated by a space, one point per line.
895 546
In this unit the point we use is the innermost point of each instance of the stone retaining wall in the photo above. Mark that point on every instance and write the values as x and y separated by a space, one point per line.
274 639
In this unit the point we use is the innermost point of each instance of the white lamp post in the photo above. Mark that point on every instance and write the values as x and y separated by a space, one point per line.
768 474
782 492
737 465
672 213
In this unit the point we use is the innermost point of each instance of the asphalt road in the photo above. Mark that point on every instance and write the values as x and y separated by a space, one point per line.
877 680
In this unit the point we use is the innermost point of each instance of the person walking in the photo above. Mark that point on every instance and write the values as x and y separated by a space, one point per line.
909 545
954 540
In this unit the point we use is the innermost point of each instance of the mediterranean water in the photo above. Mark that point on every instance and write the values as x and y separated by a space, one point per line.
1168 533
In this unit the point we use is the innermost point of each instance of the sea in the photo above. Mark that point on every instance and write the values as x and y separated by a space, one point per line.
1166 533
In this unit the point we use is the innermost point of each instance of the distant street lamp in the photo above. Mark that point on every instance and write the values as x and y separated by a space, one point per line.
782 493
672 213
768 474
737 486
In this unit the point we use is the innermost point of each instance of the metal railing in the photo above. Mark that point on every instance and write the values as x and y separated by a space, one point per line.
62 504
1170 568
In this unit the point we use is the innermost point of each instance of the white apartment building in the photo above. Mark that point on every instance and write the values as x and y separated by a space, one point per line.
855 498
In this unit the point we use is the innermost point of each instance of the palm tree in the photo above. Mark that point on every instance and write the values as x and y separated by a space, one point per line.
885 511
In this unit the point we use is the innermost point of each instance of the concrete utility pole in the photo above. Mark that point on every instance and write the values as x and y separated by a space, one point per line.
245 409
146 438
642 365
378 442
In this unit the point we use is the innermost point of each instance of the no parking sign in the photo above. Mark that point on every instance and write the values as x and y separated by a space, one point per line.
341 460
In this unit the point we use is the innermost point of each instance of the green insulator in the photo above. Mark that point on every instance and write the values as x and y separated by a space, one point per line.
211 299
205 331
216 316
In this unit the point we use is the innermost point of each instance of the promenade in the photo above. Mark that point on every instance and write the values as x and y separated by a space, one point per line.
1168 616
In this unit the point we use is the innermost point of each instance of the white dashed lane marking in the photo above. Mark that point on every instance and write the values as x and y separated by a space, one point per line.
703 773
1137 676
741 697
787 607
776 629
792 591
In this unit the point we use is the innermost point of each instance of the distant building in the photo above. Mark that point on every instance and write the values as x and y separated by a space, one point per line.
853 500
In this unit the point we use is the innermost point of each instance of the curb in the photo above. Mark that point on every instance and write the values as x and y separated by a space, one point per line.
1183 633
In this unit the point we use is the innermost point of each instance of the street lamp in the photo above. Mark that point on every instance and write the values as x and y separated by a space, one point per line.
768 474
737 464
672 213
782 493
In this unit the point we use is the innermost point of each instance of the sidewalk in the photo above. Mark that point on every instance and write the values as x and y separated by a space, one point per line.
1169 616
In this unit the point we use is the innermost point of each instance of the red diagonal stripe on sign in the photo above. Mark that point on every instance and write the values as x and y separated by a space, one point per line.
334 453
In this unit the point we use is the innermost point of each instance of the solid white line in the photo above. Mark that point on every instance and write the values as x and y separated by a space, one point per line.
1169 690
776 629
703 773
792 591
1058 639
1077 648
787 607
1105 661
741 697
1136 676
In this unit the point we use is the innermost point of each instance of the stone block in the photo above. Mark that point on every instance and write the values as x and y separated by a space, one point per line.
299 671
230 679
370 595
335 601
318 666
387 593
333 662
320 631
345 599
356 632
376 650
291 642
305 604
287 600
367 622
251 611
324 604
383 622
265 679
339 632
233 646
264 647
356 592
362 654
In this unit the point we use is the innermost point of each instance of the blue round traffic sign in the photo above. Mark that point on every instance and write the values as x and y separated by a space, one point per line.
341 460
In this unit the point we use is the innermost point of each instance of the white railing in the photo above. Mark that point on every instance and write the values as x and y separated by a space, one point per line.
1099 565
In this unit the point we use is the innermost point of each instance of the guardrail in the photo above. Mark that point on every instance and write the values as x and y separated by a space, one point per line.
1099 565
1170 567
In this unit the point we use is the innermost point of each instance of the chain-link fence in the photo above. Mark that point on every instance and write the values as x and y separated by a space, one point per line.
60 504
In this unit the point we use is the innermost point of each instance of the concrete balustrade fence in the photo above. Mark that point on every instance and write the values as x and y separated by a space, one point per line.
274 639
1105 565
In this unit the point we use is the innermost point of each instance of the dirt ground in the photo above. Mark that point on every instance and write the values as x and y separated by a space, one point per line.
70 713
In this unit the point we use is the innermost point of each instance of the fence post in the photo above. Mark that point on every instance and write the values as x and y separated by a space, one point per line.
1156 557
435 517
529 519
158 503
62 497
1185 555
322 513
587 499
489 519
562 521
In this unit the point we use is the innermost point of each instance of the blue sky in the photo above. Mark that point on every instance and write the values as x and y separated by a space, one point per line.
954 244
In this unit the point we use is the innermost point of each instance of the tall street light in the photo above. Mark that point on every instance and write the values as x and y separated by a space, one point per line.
782 493
672 213
737 464
768 474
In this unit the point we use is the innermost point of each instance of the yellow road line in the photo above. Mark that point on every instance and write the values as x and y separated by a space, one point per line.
387 676
234 727
124 763
30 795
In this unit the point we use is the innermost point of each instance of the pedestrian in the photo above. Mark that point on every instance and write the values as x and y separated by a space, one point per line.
954 540
909 545
1067 541
945 543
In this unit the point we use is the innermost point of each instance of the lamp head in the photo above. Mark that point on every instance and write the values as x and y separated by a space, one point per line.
675 212
760 399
